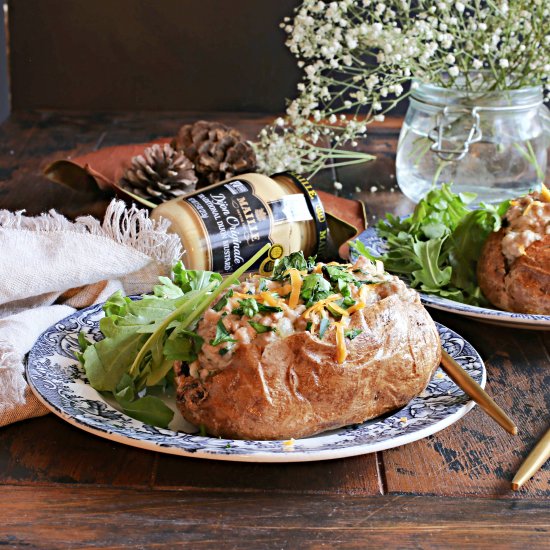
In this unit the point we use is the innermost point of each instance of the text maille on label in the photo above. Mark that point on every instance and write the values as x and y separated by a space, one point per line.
237 221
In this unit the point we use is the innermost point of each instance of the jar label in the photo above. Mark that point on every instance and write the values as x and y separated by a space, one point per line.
237 223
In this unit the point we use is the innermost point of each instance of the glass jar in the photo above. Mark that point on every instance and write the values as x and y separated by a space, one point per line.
493 144
225 224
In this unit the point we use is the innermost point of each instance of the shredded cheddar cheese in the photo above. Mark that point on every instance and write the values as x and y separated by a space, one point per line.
530 205
341 350
270 300
284 290
355 307
545 193
296 283
320 305
243 295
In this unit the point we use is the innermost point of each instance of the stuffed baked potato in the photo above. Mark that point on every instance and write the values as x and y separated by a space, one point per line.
312 348
514 267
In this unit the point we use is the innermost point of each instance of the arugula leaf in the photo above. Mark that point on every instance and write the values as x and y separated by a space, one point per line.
466 243
314 288
182 345
149 409
142 338
188 279
167 289
222 335
260 329
360 249
430 277
437 247
295 260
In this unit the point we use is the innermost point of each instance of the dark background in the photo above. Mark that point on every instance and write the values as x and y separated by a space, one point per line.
149 54
4 94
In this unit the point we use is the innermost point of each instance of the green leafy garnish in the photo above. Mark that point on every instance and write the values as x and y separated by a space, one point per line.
262 287
259 328
222 335
438 245
143 338
295 260
352 333
314 288
222 302
248 307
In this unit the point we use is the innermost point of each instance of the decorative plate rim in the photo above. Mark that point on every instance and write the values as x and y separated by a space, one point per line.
376 244
59 383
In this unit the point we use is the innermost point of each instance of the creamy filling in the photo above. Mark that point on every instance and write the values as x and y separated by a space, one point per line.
241 326
528 221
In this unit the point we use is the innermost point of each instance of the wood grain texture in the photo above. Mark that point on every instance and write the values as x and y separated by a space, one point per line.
48 450
49 517
354 476
476 456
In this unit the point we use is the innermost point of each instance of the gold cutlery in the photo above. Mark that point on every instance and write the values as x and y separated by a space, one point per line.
537 457
464 381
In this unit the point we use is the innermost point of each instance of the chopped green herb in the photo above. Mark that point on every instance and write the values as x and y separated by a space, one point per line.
323 325
221 335
314 288
262 287
223 351
348 301
308 326
202 431
259 328
223 301
352 333
333 311
295 260
248 307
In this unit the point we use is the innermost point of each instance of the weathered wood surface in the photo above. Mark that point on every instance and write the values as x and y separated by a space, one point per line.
50 472
51 517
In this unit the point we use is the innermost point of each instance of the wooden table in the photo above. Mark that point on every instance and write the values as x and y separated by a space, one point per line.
62 487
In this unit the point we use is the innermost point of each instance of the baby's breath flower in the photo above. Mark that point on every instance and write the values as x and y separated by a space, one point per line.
357 56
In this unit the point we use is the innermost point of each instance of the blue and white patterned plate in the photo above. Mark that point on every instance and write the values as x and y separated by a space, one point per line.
59 382
378 246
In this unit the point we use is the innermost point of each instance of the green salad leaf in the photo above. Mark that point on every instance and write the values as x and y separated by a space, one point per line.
142 339
437 247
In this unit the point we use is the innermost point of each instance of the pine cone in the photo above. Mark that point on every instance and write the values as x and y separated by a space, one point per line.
217 151
160 174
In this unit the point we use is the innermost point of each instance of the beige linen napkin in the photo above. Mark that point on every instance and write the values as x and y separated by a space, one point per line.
49 266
